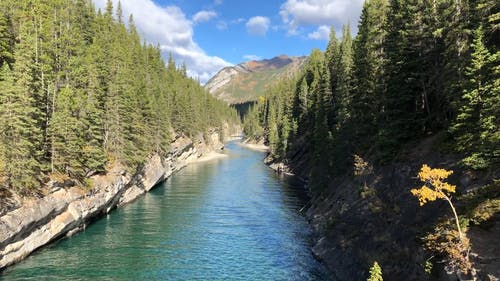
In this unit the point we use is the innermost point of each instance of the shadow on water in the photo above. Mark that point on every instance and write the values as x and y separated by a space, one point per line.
226 219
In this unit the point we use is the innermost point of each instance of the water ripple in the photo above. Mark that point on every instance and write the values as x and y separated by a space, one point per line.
230 219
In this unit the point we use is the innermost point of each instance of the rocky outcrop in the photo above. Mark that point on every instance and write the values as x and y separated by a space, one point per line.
223 78
375 218
67 210
372 216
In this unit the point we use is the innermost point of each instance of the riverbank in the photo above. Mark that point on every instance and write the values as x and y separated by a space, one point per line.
258 146
212 155
68 210
359 219
197 225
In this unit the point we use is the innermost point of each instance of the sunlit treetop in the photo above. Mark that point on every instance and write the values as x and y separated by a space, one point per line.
434 187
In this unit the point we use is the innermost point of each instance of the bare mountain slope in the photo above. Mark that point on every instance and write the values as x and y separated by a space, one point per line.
247 81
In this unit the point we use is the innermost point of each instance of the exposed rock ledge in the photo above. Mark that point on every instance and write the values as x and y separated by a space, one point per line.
67 211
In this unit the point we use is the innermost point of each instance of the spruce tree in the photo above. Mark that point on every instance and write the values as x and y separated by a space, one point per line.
343 90
6 40
368 59
64 131
21 134
322 137
79 91
476 126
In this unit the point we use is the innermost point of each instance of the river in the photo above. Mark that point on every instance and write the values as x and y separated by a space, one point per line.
226 219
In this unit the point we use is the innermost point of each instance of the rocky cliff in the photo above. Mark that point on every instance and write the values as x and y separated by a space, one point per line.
373 217
66 211
247 81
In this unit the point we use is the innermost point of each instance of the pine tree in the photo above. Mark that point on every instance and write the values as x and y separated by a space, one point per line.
343 90
65 129
6 41
476 126
375 273
272 124
21 135
342 130
304 102
322 137
332 56
93 155
368 59
7 112
416 101
79 90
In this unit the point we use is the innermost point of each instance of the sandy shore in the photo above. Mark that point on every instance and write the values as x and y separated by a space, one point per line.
233 138
254 146
209 156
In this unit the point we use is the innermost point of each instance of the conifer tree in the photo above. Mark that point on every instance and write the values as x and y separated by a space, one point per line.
21 137
368 59
304 102
476 125
375 273
322 137
332 56
6 41
66 142
343 90
79 91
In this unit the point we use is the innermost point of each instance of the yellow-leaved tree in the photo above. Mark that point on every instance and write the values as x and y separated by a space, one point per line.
434 187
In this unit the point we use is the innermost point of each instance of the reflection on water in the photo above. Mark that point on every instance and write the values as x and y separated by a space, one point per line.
227 219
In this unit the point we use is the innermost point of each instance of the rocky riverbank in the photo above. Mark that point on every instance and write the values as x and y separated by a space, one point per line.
67 210
373 217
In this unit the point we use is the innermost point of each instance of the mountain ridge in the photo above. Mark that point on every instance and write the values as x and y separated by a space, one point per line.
246 81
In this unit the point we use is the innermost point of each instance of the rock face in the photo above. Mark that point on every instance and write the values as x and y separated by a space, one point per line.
68 210
247 81
372 219
373 216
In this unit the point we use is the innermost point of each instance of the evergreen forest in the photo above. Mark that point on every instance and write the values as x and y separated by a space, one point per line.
80 91
81 94
419 82
414 69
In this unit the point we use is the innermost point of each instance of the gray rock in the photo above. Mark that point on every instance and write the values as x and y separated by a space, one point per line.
67 210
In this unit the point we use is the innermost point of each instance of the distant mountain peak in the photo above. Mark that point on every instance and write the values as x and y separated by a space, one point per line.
269 64
248 80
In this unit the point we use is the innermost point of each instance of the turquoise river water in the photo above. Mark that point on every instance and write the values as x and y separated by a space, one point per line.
226 219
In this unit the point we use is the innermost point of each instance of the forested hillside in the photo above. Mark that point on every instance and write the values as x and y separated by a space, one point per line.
416 69
412 70
79 90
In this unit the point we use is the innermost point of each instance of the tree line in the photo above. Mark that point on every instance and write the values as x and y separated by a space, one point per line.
415 68
80 90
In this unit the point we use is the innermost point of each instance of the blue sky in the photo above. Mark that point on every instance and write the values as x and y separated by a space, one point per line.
208 35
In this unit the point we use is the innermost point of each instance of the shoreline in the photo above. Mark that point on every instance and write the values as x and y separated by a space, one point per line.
69 210
212 155
255 146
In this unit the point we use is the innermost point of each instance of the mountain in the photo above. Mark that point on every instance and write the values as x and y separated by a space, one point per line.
247 81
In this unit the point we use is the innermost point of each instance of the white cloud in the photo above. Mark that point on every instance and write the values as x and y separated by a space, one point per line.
322 33
238 21
221 25
169 27
203 16
297 13
258 25
252 57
